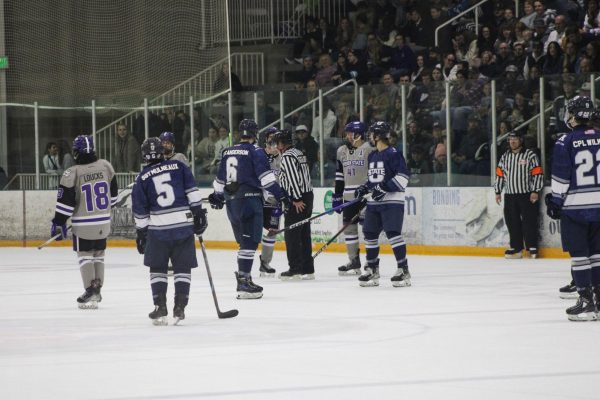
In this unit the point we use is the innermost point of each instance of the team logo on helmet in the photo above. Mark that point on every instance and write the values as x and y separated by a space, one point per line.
248 128
152 150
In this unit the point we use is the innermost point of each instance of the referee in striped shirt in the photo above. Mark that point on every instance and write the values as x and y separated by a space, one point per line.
520 175
294 178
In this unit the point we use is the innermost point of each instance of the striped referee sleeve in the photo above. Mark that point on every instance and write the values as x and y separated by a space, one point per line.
519 173
294 175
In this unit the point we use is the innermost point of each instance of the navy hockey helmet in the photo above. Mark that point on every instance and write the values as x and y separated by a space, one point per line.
381 130
248 129
83 144
579 107
267 136
359 129
167 137
284 136
152 150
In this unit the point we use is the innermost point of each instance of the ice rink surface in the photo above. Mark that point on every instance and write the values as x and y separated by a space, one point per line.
468 328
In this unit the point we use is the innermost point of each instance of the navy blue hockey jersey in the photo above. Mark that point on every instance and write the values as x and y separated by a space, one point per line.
576 174
164 198
388 169
244 171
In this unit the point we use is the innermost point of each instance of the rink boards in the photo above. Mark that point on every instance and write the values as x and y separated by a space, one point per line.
437 221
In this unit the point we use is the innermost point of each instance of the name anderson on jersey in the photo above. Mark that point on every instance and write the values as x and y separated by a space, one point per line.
235 152
158 170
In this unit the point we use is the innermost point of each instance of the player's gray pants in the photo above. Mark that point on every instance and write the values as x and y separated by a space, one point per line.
351 239
91 266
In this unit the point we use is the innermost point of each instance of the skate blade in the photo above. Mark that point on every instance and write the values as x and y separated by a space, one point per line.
513 256
371 283
351 272
533 256
267 274
291 278
90 305
404 283
591 316
568 296
308 277
249 296
161 321
177 320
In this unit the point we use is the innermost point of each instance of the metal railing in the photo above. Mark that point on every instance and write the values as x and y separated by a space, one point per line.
248 66
468 10
273 20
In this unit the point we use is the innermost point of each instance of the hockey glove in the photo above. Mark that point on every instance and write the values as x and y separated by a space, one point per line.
285 204
200 222
336 201
361 191
552 208
216 200
276 212
140 240
378 193
58 229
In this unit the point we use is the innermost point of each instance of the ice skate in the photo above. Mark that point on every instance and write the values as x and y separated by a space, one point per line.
401 278
352 267
265 269
246 289
512 253
370 277
290 276
308 277
97 286
569 291
584 309
159 315
533 252
88 300
181 301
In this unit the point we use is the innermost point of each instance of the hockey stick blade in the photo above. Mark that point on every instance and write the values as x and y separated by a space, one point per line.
52 239
220 314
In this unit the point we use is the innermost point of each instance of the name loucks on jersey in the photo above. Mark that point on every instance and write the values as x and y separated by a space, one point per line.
576 173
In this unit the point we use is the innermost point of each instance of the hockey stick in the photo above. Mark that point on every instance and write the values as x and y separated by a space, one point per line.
346 225
52 239
307 220
221 314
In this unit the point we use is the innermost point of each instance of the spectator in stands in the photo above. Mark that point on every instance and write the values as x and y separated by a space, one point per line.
374 55
553 63
530 14
444 36
327 37
558 33
504 58
415 136
522 104
357 69
51 161
449 69
506 36
419 31
307 145
586 66
64 151
540 30
488 66
308 71
403 59
460 46
519 57
359 39
378 104
547 15
591 21
592 53
535 57
484 42
510 84
418 164
559 106
205 153
469 144
326 71
440 165
344 116
571 58
344 35
222 81
220 145
416 74
126 156
328 122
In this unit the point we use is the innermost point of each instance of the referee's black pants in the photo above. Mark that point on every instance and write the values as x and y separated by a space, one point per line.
521 217
298 241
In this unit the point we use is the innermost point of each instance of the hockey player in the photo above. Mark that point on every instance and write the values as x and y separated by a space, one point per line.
350 173
387 180
243 173
168 212
168 143
87 192
271 209
575 201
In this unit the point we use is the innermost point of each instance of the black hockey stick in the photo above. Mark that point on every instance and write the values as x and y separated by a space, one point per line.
346 225
221 314
307 220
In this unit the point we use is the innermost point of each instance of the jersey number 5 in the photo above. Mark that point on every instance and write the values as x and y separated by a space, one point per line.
164 190
585 163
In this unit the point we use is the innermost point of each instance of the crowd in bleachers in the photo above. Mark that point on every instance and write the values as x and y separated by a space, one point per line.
387 44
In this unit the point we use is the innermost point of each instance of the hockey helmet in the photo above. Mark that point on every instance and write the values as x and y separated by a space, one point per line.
248 129
359 129
579 107
267 136
284 136
152 150
83 144
167 137
381 130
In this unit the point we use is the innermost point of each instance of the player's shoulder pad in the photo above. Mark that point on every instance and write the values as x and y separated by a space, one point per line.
68 172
